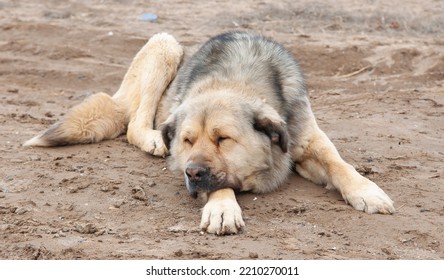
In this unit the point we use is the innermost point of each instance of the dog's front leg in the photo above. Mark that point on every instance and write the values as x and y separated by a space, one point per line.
320 162
222 214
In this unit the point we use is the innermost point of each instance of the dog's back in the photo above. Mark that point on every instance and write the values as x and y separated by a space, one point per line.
261 68
247 58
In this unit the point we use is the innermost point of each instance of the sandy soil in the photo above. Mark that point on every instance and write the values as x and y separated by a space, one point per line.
375 74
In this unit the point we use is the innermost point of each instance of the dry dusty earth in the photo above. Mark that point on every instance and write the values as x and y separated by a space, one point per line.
375 73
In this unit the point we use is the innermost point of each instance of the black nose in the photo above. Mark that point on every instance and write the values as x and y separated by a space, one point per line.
197 172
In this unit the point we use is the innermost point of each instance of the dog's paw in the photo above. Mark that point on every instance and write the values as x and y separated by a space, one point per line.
222 217
153 144
369 198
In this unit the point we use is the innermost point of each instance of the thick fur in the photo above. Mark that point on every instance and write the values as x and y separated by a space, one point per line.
131 109
236 117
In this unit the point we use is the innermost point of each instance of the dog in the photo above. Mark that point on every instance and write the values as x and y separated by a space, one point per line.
233 117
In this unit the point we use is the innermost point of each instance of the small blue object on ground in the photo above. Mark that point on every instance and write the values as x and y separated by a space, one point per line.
148 17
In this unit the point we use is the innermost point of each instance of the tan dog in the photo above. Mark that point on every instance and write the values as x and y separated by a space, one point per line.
235 118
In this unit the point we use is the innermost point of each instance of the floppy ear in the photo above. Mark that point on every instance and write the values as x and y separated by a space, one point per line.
275 128
168 129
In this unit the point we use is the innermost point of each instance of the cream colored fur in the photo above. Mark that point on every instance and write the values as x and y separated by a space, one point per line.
153 68
131 109
321 163
98 118
222 214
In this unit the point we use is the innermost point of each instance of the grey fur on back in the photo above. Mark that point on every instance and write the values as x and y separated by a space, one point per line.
254 60
246 57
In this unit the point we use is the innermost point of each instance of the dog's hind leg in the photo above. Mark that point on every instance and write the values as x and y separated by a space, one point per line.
148 77
133 107
318 160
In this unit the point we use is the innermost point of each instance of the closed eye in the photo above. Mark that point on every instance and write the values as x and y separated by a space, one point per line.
221 139
188 141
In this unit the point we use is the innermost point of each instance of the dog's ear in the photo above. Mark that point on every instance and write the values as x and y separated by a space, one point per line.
274 127
168 129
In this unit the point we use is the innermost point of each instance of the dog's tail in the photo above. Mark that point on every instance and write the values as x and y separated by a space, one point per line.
99 117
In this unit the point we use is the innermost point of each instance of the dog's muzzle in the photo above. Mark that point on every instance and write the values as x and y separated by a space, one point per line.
199 177
197 173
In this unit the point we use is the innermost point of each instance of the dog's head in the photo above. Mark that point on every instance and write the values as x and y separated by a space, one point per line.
218 140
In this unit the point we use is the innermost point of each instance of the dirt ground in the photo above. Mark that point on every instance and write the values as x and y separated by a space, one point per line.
375 73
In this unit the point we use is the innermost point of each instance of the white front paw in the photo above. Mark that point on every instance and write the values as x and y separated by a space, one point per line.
369 198
153 143
222 217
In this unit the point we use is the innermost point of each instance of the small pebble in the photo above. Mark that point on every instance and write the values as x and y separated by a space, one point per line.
148 17
178 253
